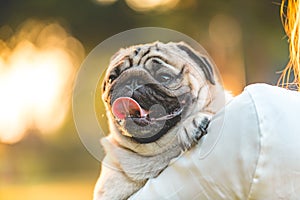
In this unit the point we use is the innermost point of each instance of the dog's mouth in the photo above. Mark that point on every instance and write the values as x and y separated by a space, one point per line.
127 108
148 112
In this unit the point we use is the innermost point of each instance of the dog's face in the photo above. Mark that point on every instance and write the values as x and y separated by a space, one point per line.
149 89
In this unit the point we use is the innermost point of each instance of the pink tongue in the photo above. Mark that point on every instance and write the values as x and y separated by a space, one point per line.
125 106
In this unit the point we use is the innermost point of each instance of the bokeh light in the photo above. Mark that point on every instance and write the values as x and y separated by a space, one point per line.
105 2
37 68
147 5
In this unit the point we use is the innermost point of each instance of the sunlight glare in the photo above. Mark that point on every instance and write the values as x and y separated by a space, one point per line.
37 69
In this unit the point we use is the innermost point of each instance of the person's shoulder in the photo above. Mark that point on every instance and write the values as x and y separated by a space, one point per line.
276 108
262 91
271 98
264 102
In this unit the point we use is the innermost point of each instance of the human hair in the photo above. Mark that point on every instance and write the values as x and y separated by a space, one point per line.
290 17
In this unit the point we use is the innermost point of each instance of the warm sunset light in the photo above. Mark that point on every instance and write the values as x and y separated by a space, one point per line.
37 69
54 56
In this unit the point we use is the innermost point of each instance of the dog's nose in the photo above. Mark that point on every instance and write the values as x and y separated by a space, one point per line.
134 83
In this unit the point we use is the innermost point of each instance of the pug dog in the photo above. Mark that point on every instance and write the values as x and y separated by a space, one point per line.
159 100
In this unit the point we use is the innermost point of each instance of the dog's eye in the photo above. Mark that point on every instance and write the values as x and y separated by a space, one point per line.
163 77
111 78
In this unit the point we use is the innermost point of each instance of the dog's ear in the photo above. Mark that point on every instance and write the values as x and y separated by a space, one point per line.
201 60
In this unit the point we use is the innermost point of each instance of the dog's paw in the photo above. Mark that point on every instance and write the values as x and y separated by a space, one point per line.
193 128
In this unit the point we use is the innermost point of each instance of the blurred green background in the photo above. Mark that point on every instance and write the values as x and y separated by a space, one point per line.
41 155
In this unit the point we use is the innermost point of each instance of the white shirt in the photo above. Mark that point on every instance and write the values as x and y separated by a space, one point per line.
251 151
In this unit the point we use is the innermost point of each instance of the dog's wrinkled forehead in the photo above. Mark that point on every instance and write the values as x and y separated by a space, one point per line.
139 54
175 55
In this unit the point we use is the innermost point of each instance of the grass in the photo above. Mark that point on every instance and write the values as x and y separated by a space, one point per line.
49 190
